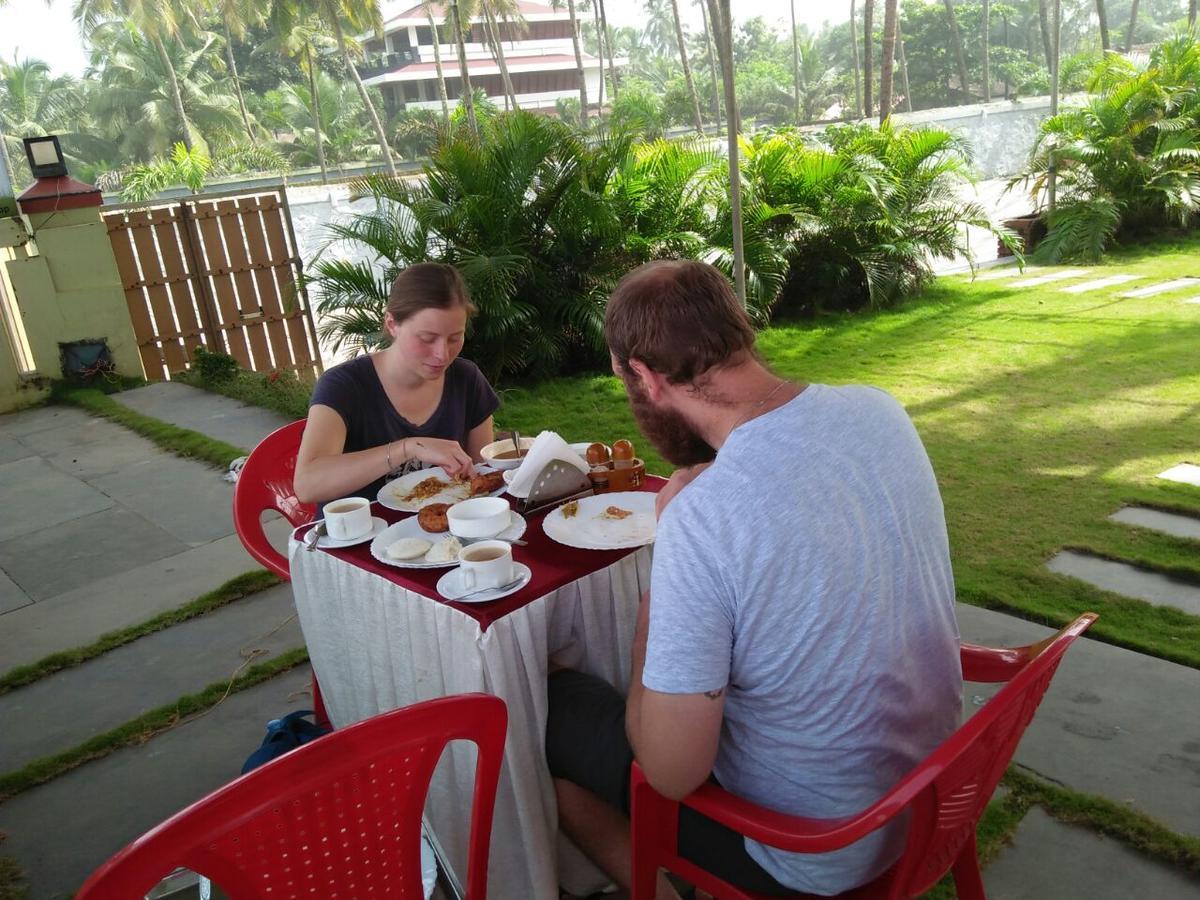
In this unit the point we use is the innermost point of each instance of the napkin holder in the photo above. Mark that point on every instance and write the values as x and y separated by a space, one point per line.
611 477
557 482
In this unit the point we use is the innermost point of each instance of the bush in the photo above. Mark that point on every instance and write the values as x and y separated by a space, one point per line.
213 368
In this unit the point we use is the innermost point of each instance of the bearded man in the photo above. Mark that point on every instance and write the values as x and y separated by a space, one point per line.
798 643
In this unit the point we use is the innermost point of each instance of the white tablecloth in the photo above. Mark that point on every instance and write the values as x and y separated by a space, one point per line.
376 646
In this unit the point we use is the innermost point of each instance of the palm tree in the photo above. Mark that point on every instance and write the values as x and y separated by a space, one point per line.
712 63
465 92
722 25
956 42
156 20
303 40
795 62
362 16
32 102
1102 15
1133 11
687 70
987 64
891 19
437 59
1044 25
818 81
1191 13
608 42
341 134
583 98
857 76
236 16
868 56
904 69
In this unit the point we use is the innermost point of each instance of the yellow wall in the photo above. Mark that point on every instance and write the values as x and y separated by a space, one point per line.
69 291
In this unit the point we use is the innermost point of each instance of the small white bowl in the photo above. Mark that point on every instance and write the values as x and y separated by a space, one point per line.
479 517
490 453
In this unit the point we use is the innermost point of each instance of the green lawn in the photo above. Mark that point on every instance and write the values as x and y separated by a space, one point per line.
1043 413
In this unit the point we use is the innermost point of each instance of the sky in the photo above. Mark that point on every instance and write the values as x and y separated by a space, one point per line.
46 31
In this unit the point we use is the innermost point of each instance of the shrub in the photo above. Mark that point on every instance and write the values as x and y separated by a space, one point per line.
213 368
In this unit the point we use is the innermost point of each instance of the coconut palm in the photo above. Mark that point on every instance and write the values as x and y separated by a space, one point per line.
236 17
33 102
722 26
687 70
858 107
583 97
302 38
891 19
508 12
818 81
1133 13
340 134
465 92
712 62
956 43
868 57
608 42
985 25
1102 15
437 59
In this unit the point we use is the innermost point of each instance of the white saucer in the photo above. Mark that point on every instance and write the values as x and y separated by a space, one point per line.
450 585
325 542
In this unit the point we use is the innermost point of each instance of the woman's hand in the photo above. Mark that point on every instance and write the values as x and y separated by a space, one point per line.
680 479
438 452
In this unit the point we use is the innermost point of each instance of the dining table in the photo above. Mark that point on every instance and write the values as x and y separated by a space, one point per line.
380 637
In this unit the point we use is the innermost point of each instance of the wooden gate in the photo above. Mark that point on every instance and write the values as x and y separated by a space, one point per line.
215 270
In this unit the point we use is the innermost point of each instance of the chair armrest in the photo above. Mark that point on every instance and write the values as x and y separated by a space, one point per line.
993 664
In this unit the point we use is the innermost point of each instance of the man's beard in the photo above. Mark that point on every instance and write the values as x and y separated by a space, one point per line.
670 433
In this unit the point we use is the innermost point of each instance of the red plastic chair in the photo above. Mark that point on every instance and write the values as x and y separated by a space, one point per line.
947 793
266 482
337 817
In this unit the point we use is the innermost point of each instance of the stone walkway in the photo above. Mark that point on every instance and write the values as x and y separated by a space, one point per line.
105 530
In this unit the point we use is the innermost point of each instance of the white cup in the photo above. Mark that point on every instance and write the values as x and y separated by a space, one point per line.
348 518
486 564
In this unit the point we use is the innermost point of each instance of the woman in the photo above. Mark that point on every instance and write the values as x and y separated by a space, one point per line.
414 404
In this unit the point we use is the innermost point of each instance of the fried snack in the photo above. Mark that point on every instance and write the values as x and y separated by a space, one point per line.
615 512
432 518
486 482
423 490
570 509
409 548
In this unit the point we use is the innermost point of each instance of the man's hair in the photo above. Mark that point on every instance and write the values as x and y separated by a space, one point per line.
679 317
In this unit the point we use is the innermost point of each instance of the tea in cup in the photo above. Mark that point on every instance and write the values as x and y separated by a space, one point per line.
348 519
487 564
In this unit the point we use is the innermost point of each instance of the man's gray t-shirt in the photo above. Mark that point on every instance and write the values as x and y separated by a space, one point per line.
808 571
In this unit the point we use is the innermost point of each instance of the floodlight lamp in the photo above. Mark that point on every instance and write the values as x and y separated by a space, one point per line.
45 156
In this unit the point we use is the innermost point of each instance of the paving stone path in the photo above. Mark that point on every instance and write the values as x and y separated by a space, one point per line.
1096 730
1100 283
1163 287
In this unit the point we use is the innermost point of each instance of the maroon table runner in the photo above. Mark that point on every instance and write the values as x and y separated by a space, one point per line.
552 564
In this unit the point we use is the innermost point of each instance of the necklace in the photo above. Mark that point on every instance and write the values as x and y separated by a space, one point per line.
754 409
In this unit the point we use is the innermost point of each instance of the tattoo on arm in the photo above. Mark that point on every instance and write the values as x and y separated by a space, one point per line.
714 695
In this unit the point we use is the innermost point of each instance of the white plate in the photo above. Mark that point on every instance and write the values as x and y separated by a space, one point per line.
391 492
588 530
450 585
410 528
325 542
508 478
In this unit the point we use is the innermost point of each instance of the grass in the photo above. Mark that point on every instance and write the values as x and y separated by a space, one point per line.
144 727
180 441
1043 413
279 392
235 589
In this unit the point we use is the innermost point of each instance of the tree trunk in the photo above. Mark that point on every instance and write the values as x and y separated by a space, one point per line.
600 53
795 63
687 70
857 73
466 95
1056 47
1133 11
868 58
1102 15
1191 12
237 84
887 62
712 68
956 42
904 71
380 136
315 99
1044 22
718 11
176 97
583 100
494 31
987 51
437 60
612 68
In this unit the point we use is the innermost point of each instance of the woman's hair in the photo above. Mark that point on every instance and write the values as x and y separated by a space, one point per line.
427 285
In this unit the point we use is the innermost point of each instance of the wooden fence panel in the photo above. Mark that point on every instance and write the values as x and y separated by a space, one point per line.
119 228
293 303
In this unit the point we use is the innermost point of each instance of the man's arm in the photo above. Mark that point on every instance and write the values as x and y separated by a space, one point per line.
674 736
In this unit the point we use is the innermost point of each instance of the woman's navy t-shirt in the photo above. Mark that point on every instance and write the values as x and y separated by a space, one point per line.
354 391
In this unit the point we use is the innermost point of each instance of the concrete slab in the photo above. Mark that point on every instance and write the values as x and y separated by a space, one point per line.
127 598
94 447
1114 722
1122 578
76 553
36 496
11 596
1008 271
28 421
1039 280
211 414
187 499
1193 300
1100 283
1162 287
1050 859
1185 473
1157 520
12 449
68 708
61 831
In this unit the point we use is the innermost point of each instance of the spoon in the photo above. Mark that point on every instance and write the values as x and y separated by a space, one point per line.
516 439
488 590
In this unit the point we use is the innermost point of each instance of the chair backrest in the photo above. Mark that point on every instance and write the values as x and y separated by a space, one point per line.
265 483
340 816
950 789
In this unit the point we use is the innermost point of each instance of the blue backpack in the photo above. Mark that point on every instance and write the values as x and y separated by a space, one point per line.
283 735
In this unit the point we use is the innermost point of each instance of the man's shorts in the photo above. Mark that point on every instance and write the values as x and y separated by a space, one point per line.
586 744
